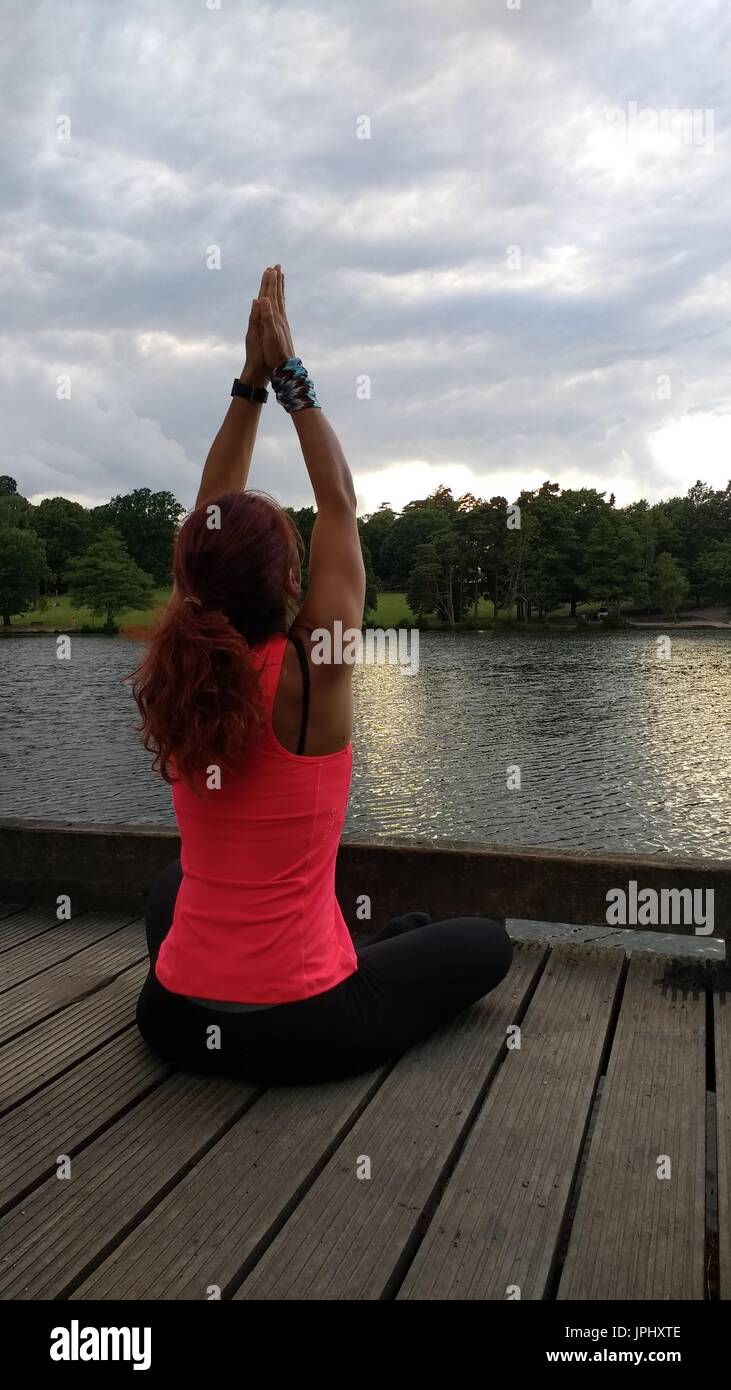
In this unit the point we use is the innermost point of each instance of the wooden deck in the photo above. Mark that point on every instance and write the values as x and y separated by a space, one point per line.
496 1171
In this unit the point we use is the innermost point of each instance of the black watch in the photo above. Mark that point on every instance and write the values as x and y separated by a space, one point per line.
250 393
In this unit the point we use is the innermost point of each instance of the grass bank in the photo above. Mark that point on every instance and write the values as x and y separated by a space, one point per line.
60 614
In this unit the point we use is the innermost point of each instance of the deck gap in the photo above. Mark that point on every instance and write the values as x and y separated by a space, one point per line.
76 951
55 1010
77 1149
42 931
421 1225
710 1043
10 910
614 1015
711 1252
139 1216
270 1235
49 1080
572 1201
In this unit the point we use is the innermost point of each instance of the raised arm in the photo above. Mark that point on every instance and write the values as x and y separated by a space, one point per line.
227 466
336 589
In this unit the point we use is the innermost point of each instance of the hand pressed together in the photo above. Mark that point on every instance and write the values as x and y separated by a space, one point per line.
268 335
276 336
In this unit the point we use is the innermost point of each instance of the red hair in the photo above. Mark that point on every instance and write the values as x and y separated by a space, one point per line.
196 688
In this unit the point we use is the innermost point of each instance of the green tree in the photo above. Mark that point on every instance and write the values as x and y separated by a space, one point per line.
7 485
15 510
419 523
147 522
638 517
304 519
687 526
433 585
106 580
470 530
371 593
423 584
612 560
669 584
551 549
484 549
375 529
22 564
715 564
65 528
585 506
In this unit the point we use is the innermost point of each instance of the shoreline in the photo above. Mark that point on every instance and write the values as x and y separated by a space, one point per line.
715 617
594 630
691 626
507 628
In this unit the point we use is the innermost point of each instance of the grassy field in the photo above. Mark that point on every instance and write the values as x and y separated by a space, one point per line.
393 607
61 613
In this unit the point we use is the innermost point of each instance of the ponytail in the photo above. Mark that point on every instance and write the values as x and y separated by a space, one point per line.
197 692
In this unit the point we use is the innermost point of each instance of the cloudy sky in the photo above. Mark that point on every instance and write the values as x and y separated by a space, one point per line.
529 258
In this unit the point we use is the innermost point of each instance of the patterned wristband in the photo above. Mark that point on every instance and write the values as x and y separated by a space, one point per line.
293 388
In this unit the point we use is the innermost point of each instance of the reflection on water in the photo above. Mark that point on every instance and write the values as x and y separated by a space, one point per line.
617 749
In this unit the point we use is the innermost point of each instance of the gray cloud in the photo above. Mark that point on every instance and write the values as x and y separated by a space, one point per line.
491 128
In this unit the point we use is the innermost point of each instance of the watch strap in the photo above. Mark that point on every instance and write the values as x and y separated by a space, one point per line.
250 393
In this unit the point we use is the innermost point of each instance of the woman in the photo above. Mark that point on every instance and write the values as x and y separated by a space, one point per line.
253 970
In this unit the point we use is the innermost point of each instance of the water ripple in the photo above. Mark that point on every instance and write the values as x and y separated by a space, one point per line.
617 749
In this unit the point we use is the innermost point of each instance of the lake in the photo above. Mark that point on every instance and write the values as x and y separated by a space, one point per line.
617 749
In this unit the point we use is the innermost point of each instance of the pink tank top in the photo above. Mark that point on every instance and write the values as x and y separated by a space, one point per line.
256 918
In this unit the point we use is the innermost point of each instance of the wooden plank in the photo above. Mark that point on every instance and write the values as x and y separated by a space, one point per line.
28 1003
23 926
635 1235
499 1221
7 909
66 1226
37 1057
214 1223
349 1235
232 1201
72 1110
62 943
722 1032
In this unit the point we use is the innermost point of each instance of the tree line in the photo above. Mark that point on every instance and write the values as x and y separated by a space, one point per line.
550 548
106 558
553 547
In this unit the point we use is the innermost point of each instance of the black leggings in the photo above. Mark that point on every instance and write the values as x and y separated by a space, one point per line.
412 976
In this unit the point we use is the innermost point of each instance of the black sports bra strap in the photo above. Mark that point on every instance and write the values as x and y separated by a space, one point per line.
302 657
